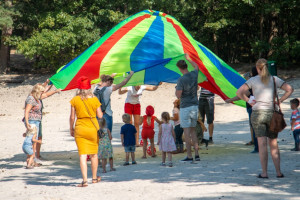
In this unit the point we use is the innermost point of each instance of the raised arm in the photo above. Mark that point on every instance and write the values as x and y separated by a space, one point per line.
122 91
50 93
124 82
152 88
196 67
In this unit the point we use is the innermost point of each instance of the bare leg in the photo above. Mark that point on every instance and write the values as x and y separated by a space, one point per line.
104 161
94 163
169 157
144 148
211 129
251 131
83 166
163 157
30 161
136 119
111 163
152 147
275 155
38 149
127 157
263 155
187 139
194 140
133 156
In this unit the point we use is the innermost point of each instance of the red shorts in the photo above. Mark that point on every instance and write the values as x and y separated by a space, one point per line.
147 133
132 109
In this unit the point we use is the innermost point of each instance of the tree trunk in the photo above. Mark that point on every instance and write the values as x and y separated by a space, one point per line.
4 51
273 32
261 30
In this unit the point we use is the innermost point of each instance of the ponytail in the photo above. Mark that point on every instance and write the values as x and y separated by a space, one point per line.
262 65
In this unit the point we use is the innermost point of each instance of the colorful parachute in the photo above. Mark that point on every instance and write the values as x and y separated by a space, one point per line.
149 43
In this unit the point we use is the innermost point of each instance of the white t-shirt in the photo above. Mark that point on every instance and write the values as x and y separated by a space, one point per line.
263 93
131 92
106 95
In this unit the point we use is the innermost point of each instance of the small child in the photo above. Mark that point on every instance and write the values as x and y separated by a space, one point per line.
128 133
295 123
166 139
27 147
148 129
178 130
105 147
200 128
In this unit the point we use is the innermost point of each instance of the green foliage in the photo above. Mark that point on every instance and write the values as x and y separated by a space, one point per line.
53 32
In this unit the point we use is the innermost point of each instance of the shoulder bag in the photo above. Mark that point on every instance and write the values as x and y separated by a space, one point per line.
100 132
277 122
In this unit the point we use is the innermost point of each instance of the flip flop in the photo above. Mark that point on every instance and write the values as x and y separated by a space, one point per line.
281 176
259 176
96 180
83 184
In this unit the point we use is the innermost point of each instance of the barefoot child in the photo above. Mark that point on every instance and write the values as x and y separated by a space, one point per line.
128 132
295 123
148 129
166 139
105 147
27 147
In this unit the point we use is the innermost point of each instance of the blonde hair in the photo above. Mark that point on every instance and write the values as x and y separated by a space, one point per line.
84 93
32 130
165 116
37 91
262 65
126 118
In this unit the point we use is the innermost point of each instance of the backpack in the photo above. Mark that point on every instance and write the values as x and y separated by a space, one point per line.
99 93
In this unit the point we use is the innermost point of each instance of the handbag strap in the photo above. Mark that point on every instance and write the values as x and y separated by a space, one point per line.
89 114
275 95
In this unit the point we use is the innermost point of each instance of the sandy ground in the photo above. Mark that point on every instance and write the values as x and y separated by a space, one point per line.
227 170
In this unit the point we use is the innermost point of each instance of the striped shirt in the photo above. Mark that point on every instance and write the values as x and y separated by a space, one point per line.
206 94
296 115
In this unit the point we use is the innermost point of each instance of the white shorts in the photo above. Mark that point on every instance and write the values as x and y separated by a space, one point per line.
188 116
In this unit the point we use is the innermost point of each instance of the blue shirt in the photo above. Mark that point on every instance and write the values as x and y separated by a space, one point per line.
129 131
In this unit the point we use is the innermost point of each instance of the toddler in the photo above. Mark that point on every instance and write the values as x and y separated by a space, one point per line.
148 129
105 147
295 123
178 130
166 139
29 141
128 133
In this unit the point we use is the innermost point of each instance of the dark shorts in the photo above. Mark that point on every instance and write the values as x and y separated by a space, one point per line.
260 120
132 109
207 108
129 149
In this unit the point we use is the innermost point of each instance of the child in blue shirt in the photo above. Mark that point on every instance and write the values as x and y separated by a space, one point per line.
295 123
128 132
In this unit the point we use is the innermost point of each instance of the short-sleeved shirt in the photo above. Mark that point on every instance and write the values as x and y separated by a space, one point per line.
107 93
35 112
176 111
296 116
188 83
263 93
129 131
131 92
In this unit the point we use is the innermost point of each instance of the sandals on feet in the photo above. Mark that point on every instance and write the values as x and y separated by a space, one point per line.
144 157
260 176
83 184
281 176
96 180
36 164
113 169
29 167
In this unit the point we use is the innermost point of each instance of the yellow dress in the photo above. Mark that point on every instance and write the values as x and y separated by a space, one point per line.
86 136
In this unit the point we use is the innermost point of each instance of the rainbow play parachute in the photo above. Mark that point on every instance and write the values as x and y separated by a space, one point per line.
149 43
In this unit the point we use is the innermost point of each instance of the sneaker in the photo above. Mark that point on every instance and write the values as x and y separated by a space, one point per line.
197 158
163 164
134 162
187 160
170 164
126 163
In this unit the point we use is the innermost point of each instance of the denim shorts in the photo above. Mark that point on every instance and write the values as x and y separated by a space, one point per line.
27 149
38 126
188 116
129 148
260 120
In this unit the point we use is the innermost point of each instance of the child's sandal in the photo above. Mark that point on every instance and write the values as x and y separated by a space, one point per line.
96 180
83 184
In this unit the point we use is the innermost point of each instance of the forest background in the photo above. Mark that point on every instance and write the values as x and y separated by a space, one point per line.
52 32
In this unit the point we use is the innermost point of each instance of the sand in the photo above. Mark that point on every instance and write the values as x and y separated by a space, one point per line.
227 170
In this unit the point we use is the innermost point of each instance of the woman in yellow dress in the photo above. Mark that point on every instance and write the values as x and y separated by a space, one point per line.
85 107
